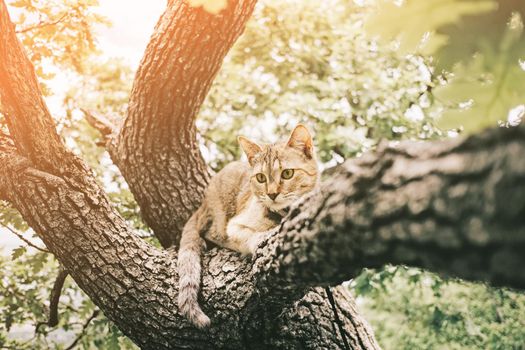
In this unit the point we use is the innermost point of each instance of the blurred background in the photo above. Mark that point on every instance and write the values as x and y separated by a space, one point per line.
356 72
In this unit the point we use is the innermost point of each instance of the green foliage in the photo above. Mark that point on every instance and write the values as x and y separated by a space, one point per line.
103 87
59 33
310 62
480 42
412 309
492 78
411 21
10 216
18 252
25 285
298 61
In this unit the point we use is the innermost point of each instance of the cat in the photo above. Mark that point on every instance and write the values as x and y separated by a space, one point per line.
243 204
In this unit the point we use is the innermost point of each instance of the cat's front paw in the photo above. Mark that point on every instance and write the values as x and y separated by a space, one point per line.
253 244
259 240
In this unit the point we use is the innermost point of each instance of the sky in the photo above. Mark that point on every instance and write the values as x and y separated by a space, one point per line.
131 29
126 38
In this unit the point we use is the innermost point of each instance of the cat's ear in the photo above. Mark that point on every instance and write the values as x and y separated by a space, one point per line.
302 140
249 147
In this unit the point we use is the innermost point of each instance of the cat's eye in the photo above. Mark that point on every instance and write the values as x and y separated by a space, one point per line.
287 174
260 177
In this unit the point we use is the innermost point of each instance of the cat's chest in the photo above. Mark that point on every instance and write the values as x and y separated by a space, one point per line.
255 217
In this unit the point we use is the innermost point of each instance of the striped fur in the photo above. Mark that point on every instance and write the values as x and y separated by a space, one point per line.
238 212
189 265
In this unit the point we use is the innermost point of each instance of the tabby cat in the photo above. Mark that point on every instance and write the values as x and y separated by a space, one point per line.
243 204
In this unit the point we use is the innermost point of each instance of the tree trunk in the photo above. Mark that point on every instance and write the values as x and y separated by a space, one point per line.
388 207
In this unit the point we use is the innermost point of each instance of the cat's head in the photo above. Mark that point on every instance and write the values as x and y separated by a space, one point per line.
282 172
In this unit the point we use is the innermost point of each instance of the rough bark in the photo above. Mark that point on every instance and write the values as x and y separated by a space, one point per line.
156 148
20 93
455 207
442 201
134 283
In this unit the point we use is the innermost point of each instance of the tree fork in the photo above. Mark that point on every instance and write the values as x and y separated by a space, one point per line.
156 147
134 283
372 211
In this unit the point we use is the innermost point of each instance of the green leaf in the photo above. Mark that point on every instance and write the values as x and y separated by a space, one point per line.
490 34
112 342
412 20
18 252
19 3
483 90
480 42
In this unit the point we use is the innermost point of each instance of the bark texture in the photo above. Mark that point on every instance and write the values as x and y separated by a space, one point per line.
134 283
454 207
156 148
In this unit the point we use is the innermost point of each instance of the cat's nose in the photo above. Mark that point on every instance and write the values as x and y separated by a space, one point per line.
273 195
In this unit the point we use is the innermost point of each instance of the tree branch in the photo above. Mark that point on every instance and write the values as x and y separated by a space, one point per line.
22 238
433 205
33 129
99 122
134 283
10 163
158 153
455 207
41 24
54 297
107 127
83 330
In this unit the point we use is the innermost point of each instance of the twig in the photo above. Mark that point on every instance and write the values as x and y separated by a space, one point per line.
41 25
105 125
19 235
55 297
18 345
84 327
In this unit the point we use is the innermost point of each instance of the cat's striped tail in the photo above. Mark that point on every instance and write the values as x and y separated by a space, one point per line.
189 265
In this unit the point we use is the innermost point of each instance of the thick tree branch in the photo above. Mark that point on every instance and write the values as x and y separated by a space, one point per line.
456 207
134 283
7 147
158 153
10 162
32 129
440 202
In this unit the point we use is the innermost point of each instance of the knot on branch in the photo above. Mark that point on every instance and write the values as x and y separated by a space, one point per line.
10 161
106 125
